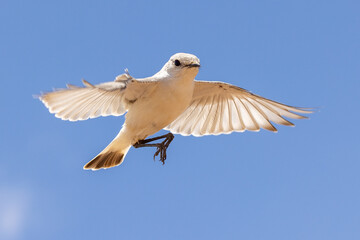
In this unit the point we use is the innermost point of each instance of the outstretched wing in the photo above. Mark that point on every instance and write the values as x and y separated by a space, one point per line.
219 107
91 101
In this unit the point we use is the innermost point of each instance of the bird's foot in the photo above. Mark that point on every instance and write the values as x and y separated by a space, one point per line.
160 147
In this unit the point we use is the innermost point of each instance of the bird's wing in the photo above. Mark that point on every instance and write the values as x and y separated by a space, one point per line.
91 101
218 107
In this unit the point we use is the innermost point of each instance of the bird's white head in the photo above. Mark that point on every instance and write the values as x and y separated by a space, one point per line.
183 65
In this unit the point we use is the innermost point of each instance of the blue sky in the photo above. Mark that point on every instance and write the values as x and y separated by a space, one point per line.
300 183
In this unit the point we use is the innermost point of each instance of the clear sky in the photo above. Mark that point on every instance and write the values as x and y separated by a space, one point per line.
300 183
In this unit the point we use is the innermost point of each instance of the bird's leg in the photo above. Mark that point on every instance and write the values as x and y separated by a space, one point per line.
161 147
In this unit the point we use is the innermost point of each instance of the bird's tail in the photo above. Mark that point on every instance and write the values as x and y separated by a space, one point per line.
112 155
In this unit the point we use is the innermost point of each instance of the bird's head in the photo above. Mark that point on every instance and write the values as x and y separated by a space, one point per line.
182 64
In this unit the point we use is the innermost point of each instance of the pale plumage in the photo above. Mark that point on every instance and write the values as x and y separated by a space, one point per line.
218 107
170 99
91 101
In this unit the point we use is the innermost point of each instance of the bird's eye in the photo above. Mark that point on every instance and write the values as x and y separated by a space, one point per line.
177 62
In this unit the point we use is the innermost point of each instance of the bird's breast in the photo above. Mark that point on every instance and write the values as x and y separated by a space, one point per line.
159 107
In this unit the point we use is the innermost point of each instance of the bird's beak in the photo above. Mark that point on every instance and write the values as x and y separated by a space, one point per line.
193 65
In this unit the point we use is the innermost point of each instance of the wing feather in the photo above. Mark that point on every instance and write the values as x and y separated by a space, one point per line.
215 116
199 118
219 107
209 116
245 115
260 117
189 122
237 117
81 103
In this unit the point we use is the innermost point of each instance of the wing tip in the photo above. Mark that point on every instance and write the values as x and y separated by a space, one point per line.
87 84
71 86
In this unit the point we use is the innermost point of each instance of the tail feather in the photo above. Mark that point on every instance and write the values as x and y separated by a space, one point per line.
113 154
105 160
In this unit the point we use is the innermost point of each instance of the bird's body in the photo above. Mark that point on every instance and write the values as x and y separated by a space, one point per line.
171 100
160 105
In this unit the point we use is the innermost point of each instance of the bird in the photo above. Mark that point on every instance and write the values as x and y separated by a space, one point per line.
172 100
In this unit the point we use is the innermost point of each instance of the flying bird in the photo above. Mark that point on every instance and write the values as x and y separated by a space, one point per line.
172 100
